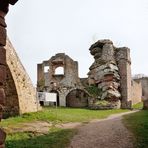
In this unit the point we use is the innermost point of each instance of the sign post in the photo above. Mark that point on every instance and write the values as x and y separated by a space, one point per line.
48 97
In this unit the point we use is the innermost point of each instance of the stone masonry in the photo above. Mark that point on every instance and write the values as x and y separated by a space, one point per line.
136 94
124 64
111 72
4 4
66 84
144 83
20 93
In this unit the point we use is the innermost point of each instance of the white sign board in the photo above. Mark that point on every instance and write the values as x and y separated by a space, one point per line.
51 97
47 97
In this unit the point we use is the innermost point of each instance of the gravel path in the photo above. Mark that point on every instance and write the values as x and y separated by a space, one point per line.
105 133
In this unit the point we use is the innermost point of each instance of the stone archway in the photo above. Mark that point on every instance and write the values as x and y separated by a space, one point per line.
20 93
77 98
11 107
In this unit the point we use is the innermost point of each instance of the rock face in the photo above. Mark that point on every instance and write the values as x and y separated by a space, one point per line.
104 72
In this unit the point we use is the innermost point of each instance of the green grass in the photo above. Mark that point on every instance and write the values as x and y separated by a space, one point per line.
138 124
138 106
60 115
57 138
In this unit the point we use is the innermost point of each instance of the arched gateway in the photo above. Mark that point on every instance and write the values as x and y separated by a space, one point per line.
77 98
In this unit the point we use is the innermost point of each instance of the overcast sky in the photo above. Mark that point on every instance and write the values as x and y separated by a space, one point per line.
40 29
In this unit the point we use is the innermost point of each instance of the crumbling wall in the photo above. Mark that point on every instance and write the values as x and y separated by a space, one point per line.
104 72
63 83
144 83
136 93
111 72
20 93
124 64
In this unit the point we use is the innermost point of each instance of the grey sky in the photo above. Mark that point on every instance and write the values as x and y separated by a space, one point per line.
39 29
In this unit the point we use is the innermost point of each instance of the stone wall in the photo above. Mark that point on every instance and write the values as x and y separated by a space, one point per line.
136 93
20 93
4 5
124 63
144 83
63 83
111 72
2 71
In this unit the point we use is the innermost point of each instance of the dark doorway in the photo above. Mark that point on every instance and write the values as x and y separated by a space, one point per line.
77 98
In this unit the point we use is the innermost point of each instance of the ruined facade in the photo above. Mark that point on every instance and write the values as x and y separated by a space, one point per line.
66 84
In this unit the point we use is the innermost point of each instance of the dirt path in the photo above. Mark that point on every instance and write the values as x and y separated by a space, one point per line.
99 133
105 133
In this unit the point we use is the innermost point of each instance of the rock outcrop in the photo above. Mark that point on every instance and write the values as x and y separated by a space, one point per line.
104 72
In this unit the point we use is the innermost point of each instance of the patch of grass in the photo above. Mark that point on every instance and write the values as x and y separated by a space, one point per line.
138 124
138 106
60 115
57 138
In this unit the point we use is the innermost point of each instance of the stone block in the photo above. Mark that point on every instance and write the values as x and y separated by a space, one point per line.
2 36
2 56
2 74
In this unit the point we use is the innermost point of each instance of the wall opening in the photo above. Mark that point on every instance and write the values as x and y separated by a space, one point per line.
59 71
77 98
46 69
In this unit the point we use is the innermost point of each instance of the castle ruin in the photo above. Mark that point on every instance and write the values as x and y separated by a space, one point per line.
110 72
67 84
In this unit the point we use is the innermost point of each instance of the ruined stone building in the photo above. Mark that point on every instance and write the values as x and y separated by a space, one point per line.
66 84
110 72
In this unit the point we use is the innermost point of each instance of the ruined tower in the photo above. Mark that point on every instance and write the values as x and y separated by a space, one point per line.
111 72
